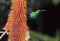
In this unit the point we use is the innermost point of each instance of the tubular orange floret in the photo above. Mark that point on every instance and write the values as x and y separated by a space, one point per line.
16 22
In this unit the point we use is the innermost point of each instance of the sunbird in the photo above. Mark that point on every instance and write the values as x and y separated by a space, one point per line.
34 15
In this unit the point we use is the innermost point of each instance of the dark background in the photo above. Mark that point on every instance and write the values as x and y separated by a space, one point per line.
4 11
47 22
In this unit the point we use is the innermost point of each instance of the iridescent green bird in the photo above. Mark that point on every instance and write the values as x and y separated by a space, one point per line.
34 15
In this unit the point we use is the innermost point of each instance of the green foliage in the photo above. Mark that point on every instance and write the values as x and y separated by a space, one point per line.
4 4
4 8
36 36
56 2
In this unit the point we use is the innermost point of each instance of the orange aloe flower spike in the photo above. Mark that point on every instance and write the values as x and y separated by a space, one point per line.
16 23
